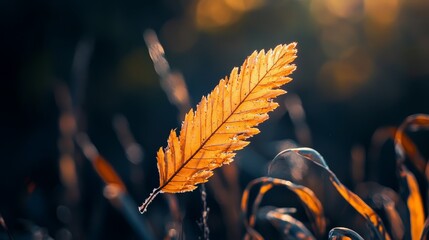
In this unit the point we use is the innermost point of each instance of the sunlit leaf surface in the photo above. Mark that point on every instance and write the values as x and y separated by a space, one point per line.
223 121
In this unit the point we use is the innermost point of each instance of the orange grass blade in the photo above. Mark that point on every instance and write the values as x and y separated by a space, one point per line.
408 181
355 201
223 121
386 199
405 146
107 173
311 203
290 227
414 201
101 166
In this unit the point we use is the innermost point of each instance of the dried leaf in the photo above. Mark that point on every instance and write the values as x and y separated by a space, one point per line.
223 121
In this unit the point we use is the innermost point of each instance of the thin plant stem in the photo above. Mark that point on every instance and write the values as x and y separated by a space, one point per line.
205 213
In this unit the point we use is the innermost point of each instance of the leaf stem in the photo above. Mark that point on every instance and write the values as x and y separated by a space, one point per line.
143 207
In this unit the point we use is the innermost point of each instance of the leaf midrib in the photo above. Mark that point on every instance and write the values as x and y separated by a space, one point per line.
223 122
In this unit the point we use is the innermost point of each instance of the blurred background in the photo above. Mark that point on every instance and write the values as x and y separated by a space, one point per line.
84 66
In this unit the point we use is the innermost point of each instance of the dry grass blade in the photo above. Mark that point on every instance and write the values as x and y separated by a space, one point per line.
340 233
396 223
173 83
107 173
115 190
67 126
290 227
408 182
296 112
133 150
223 121
404 146
388 201
249 222
101 166
311 203
355 201
411 193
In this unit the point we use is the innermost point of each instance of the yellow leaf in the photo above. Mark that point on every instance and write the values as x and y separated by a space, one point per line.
222 121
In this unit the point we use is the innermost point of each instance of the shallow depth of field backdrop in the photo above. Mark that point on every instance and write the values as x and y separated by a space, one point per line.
362 64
